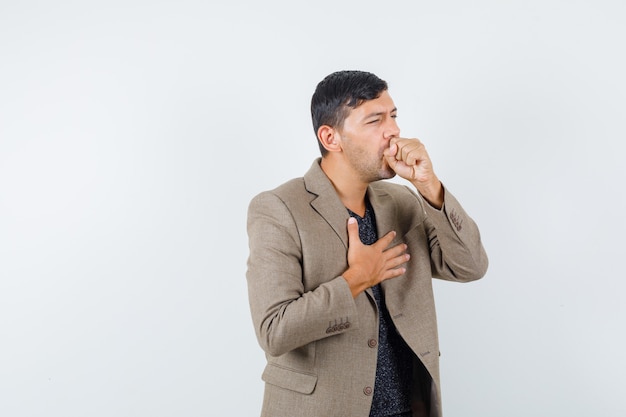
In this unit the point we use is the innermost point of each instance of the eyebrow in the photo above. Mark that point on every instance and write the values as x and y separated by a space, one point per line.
380 113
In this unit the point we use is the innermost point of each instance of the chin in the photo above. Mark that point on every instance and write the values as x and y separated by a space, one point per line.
387 173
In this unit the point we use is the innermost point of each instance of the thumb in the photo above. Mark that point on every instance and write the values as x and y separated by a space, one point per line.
353 231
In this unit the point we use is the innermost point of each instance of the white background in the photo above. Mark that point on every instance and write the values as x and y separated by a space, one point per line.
134 133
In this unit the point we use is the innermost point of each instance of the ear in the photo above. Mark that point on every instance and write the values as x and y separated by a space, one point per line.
329 138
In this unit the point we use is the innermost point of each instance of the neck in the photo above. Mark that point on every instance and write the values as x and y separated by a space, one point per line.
350 189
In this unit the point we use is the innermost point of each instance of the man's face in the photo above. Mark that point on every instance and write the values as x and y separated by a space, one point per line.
366 134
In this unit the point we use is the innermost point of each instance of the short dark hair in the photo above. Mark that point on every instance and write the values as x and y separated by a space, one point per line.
340 92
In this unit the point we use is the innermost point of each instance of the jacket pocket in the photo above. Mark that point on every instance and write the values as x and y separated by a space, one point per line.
290 379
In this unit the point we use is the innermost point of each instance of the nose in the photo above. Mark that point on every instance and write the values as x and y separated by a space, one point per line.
391 129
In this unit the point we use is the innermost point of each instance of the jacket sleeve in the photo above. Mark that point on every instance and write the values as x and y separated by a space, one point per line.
456 249
284 316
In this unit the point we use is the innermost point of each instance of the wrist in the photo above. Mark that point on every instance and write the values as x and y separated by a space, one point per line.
432 192
356 285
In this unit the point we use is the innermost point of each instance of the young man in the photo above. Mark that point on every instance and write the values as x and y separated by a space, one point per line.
341 265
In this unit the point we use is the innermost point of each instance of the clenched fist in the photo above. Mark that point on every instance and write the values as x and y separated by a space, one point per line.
409 159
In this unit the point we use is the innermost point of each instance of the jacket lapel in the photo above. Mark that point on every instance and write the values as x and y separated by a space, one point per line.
384 210
326 201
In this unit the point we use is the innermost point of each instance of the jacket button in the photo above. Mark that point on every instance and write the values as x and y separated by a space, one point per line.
367 390
372 343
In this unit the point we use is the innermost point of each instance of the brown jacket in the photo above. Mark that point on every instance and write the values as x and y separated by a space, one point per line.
318 339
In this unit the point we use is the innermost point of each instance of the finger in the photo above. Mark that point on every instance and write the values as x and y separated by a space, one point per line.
392 161
395 148
415 154
399 141
407 147
396 250
413 157
393 273
403 151
390 154
353 231
398 260
386 240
